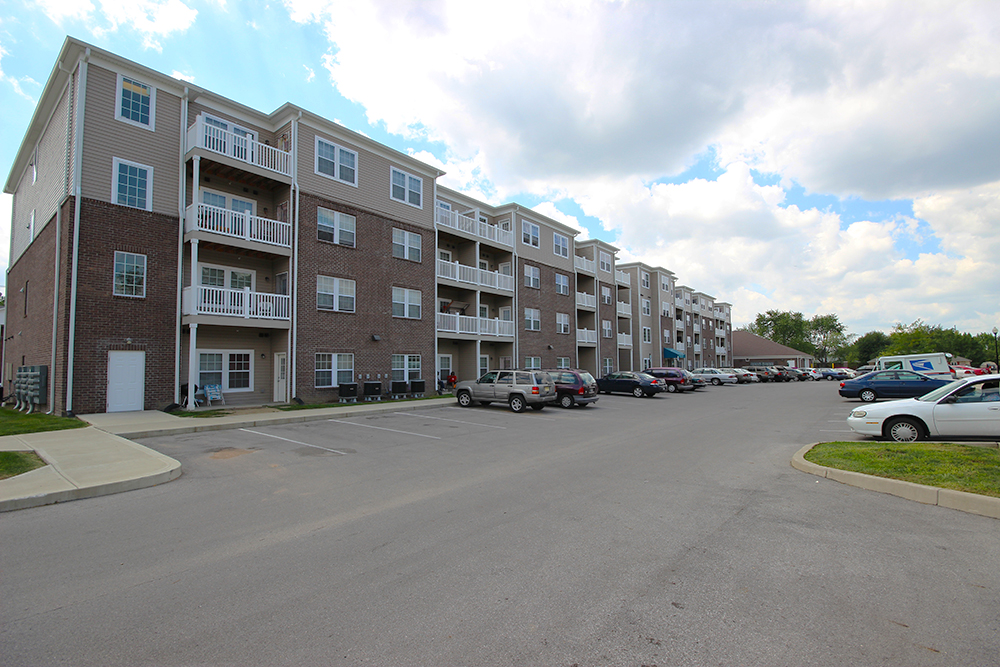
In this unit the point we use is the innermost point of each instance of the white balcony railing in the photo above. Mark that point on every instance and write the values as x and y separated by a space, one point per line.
624 340
622 278
202 217
584 336
586 300
242 147
465 324
720 351
236 303
697 348
624 309
584 264
474 276
484 230
679 301
720 333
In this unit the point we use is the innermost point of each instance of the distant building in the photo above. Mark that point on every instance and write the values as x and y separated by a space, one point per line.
751 349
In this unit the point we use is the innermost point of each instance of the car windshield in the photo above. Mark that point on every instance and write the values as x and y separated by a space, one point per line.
645 376
941 392
587 378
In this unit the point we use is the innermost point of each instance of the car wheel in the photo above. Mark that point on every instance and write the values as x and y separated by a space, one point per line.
638 392
868 395
517 403
830 378
464 399
716 381
902 429
566 401
538 407
671 388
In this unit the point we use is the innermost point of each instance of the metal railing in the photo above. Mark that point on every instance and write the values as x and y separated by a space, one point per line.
623 278
473 276
624 340
624 309
586 300
586 336
584 264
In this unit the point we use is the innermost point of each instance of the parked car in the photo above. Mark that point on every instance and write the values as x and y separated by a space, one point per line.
833 374
715 376
794 374
861 370
751 376
518 389
630 382
695 381
742 376
850 372
768 373
966 371
890 384
672 379
965 408
574 387
813 373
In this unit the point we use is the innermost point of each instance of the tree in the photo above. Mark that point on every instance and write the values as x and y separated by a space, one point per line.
870 346
826 334
784 327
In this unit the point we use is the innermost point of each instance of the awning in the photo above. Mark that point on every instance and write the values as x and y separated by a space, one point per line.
672 354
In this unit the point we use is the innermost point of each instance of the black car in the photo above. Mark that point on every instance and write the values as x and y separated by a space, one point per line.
574 387
630 382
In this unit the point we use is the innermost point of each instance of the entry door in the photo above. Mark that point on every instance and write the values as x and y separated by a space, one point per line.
444 366
280 376
126 380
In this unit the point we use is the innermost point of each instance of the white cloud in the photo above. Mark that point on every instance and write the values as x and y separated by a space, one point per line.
549 209
152 20
17 84
310 74
182 76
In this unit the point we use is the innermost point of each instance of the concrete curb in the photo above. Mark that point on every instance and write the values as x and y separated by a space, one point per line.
928 495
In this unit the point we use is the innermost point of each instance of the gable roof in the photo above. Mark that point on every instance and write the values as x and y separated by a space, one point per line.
747 346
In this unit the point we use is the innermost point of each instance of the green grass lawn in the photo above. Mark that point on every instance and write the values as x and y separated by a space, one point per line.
13 422
945 465
16 463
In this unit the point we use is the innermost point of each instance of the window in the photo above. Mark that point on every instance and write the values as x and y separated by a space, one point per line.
130 274
645 307
562 323
335 227
607 365
562 284
606 295
405 245
209 368
133 185
605 261
532 362
333 370
406 188
562 362
529 233
647 335
136 103
532 319
647 363
532 277
606 328
560 245
405 367
666 337
239 370
406 303
336 162
230 369
484 364
645 280
336 294
664 283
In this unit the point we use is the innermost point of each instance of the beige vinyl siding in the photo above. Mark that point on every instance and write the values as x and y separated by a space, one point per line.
543 254
240 338
276 139
373 176
264 268
51 186
106 138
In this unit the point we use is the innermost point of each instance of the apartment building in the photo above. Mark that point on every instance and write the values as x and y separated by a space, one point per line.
165 237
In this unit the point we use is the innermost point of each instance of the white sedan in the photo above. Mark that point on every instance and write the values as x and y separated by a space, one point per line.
965 408
715 376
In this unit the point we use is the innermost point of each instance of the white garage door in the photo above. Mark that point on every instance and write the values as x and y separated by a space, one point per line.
126 380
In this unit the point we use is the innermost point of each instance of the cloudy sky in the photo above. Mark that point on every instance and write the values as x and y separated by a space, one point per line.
822 157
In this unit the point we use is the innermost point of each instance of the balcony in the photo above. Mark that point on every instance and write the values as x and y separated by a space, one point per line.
237 225
473 276
465 324
624 309
241 147
720 333
622 278
720 351
584 300
586 337
624 340
679 302
483 230
584 264
697 348
236 303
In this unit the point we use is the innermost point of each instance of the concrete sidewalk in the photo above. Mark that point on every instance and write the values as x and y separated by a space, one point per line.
99 460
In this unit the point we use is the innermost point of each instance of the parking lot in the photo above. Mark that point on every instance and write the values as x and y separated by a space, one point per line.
666 530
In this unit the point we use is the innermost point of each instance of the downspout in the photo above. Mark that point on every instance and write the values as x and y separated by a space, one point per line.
78 193
182 199
437 287
55 311
294 280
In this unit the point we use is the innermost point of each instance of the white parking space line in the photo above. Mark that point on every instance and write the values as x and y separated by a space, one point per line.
380 428
278 437
457 421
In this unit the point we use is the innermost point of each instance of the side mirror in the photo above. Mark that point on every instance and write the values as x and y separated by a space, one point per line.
950 399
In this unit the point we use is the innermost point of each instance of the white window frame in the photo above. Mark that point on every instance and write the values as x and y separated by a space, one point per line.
124 261
409 299
607 365
337 164
560 245
562 323
647 335
533 232
116 165
664 284
405 367
227 282
606 328
532 276
605 261
606 296
337 222
646 307
644 279
563 362
151 126
409 245
341 287
409 181
532 316
562 287
334 359
532 363
226 358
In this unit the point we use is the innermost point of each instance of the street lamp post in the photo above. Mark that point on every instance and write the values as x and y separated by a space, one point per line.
996 350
